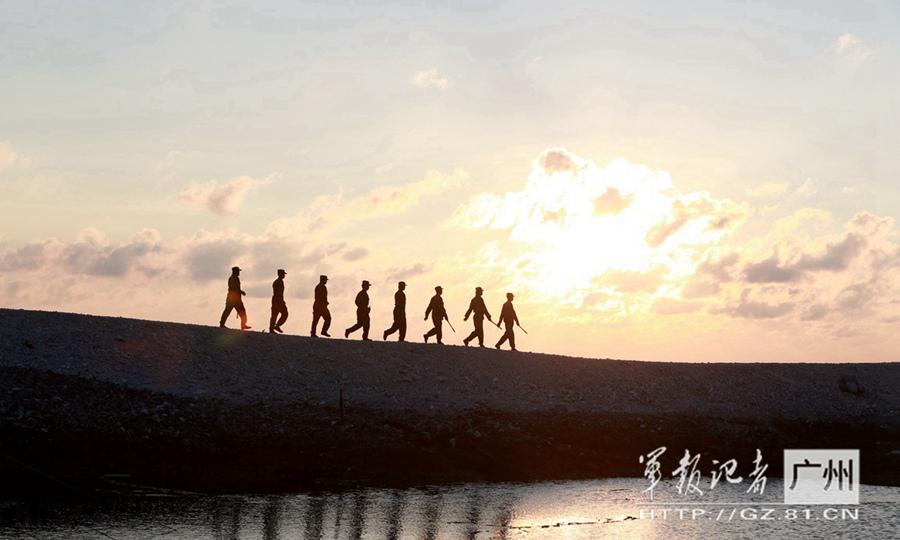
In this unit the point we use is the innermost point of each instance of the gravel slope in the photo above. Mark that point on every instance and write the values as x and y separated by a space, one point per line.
247 368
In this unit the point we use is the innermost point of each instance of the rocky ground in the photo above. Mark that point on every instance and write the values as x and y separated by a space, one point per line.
95 402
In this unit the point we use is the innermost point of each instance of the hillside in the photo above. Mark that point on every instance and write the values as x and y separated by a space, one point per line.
218 410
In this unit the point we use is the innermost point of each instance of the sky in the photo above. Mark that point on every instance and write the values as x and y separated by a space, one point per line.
655 182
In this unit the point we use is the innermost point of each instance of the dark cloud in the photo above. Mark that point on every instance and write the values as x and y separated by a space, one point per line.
88 257
28 257
213 259
771 271
837 256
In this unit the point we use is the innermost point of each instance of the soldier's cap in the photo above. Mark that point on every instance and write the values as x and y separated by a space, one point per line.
235 269
402 283
281 271
479 289
439 288
366 283
323 276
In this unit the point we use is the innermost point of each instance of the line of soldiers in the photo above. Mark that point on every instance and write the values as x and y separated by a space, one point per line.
436 310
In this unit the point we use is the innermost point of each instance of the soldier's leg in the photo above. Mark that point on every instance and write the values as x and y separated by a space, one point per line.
242 313
316 316
365 327
226 313
479 331
512 339
284 316
401 326
326 317
273 318
439 330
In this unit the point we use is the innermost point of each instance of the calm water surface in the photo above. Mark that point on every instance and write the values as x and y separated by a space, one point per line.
613 508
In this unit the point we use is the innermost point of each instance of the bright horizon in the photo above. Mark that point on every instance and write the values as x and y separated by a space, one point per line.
651 183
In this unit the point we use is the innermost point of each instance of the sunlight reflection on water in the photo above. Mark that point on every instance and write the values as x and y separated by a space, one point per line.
585 509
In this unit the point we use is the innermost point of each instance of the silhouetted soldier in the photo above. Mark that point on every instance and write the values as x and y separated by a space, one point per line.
320 308
399 313
509 319
279 308
438 314
477 307
234 301
362 313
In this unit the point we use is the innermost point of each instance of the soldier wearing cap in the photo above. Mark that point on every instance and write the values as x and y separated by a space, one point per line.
479 310
510 320
438 314
362 313
279 308
320 308
399 313
234 301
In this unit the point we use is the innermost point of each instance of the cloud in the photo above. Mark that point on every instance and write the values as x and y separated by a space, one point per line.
429 78
856 296
332 210
750 309
700 289
408 272
837 256
771 270
768 190
815 312
633 282
611 202
721 267
672 306
555 160
8 156
220 198
90 255
355 254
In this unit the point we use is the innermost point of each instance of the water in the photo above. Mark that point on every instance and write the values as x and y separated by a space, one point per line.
613 508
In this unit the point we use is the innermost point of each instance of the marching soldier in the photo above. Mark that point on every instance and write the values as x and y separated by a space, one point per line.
279 308
509 319
479 310
399 313
320 308
233 300
362 313
438 315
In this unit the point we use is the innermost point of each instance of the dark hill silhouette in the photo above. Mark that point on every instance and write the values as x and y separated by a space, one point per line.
239 407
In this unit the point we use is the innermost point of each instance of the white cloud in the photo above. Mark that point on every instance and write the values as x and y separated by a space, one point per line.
429 78
220 198
329 210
